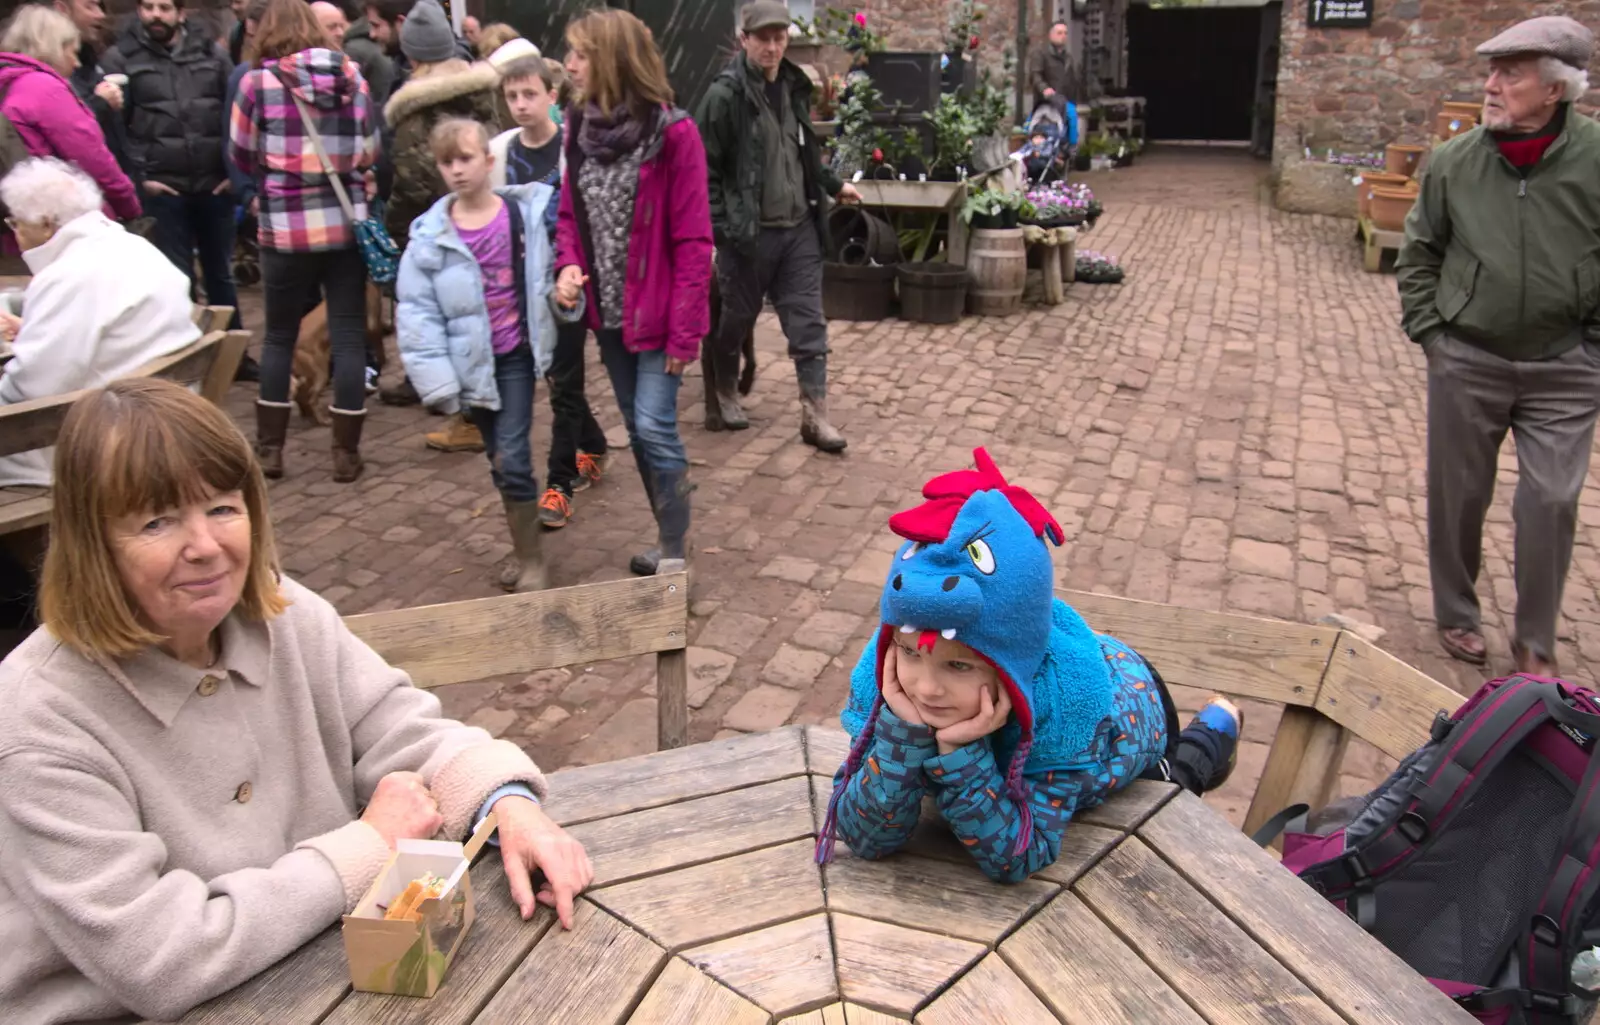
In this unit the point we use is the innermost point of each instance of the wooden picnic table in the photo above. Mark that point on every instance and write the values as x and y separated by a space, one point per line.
707 909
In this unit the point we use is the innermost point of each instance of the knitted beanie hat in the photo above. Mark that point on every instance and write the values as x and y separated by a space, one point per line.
426 36
976 569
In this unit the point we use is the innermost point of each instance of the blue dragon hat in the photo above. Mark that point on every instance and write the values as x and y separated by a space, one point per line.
975 568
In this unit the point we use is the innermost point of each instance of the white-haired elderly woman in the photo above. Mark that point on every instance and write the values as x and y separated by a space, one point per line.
1500 285
101 303
40 52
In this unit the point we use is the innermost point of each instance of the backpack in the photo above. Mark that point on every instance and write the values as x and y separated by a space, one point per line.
13 150
1476 861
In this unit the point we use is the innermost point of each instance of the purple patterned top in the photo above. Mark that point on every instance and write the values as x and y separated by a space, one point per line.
491 247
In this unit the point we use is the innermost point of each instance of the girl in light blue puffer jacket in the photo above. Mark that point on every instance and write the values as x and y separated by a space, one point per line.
475 324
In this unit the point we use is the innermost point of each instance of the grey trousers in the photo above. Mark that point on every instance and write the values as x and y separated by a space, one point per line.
1549 406
788 267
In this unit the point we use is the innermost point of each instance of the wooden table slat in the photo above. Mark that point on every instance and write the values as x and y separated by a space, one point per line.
1129 807
1365 981
892 968
1087 974
784 968
826 749
299 990
683 996
1081 846
934 896
497 942
1193 945
855 1014
709 902
833 1014
667 777
593 975
656 840
991 989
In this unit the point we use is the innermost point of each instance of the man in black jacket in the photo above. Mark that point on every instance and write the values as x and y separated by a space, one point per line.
767 183
177 86
1052 71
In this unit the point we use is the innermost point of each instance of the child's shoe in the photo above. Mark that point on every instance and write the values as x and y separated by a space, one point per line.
1208 748
555 509
591 470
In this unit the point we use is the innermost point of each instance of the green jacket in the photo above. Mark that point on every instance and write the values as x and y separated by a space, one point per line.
1507 262
735 160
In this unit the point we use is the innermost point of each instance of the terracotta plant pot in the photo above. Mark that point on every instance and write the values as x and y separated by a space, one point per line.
1454 109
1370 179
1390 206
1403 158
1443 122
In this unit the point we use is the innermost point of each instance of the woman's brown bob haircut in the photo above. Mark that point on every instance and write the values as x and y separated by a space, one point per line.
287 26
625 67
141 446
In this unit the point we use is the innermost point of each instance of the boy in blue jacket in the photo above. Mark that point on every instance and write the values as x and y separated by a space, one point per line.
475 324
991 695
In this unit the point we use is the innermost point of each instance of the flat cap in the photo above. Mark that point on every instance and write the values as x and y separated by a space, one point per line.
761 14
1552 36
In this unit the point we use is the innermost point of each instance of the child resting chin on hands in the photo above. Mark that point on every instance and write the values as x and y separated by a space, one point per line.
985 691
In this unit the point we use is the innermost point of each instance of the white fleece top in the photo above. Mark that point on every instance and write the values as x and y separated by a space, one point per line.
138 875
101 304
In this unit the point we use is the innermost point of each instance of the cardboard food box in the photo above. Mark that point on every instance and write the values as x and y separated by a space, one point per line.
410 958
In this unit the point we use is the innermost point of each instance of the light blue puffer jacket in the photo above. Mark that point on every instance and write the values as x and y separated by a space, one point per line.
442 320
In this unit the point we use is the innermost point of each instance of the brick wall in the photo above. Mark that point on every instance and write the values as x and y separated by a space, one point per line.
920 24
1360 89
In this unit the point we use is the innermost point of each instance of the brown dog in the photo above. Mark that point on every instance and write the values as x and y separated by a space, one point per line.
311 351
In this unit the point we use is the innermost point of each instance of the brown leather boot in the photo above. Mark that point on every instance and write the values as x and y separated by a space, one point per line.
347 424
459 435
272 426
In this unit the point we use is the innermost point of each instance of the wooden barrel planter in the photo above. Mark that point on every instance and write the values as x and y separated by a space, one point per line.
932 293
857 293
997 259
1403 158
1390 206
1370 180
874 237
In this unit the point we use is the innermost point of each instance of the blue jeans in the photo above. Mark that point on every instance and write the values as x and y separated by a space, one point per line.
505 431
648 396
200 223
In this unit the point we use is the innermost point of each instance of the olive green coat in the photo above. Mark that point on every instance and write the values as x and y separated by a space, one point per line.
1508 262
412 112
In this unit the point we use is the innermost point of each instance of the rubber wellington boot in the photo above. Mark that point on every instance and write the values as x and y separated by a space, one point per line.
347 424
272 426
727 389
644 564
525 570
671 501
815 430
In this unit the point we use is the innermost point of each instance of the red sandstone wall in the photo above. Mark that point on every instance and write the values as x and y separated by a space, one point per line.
920 24
1360 89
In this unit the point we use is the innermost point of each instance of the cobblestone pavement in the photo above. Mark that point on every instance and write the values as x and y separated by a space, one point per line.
1237 427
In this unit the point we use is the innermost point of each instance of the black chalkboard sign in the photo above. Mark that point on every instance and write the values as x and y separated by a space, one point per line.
1339 13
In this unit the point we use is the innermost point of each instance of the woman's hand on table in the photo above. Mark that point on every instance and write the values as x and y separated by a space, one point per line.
402 808
531 841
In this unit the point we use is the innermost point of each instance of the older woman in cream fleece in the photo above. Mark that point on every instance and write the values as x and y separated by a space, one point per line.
188 742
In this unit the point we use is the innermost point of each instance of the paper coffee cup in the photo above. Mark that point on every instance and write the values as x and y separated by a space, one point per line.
118 80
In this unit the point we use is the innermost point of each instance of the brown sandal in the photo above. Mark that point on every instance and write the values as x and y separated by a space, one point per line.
1464 645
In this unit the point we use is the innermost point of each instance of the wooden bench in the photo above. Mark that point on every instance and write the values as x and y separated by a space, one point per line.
465 641
208 363
1333 685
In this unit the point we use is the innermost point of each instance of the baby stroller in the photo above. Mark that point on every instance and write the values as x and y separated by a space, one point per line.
1058 127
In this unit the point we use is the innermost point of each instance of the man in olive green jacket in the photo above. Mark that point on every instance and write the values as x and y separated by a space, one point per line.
1500 284
767 182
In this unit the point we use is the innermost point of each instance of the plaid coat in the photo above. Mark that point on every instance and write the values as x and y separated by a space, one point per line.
300 211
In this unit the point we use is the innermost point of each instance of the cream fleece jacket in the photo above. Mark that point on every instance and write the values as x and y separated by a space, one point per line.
168 832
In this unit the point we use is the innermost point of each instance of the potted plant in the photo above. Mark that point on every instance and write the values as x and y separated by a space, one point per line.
1098 268
1059 205
961 41
860 143
994 209
990 106
953 127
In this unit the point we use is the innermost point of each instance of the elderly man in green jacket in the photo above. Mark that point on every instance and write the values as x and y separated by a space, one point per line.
1500 284
767 183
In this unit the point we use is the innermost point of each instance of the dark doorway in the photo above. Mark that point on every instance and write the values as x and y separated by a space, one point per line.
696 36
1196 68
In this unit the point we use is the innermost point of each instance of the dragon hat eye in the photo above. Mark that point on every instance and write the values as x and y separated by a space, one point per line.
982 556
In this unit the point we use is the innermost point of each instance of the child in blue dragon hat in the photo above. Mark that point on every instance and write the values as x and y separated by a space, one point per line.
993 696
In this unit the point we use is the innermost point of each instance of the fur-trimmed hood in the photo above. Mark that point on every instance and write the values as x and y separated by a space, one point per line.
420 93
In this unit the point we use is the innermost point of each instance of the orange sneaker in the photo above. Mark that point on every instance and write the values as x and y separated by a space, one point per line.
591 470
555 509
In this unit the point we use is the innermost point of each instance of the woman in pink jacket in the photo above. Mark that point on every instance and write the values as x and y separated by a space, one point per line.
41 50
634 239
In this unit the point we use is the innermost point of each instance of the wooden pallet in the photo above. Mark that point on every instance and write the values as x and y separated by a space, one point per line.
1375 242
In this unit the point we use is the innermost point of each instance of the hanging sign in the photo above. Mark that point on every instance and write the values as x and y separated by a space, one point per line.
1338 13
